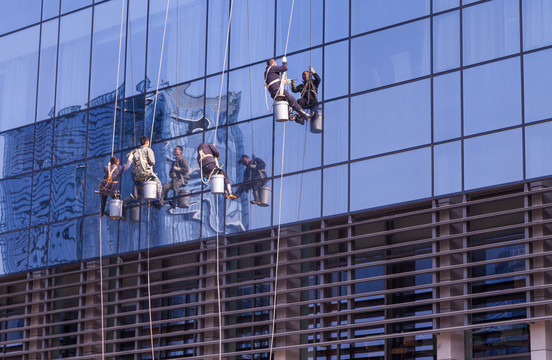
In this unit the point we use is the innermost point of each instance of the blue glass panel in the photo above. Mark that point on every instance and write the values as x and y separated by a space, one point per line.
16 14
105 53
336 190
13 252
300 197
91 238
492 96
50 8
129 239
40 211
537 17
70 138
67 191
65 242
493 159
336 131
538 148
302 148
133 124
215 113
241 215
442 5
375 14
100 130
336 19
94 175
249 98
73 62
538 85
70 5
15 157
216 35
336 70
391 119
259 43
491 30
447 160
391 179
38 247
18 71
43 144
390 56
47 73
446 41
306 25
15 203
184 51
212 204
136 49
446 107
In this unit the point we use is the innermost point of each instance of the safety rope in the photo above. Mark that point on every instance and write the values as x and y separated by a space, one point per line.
118 71
159 72
101 290
218 285
250 81
149 284
277 265
132 77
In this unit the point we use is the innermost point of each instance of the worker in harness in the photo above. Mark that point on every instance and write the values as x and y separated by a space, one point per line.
308 89
254 175
110 183
179 174
207 158
144 159
276 88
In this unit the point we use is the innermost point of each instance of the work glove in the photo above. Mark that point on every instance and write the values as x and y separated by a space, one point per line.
284 59
311 69
253 166
131 156
293 83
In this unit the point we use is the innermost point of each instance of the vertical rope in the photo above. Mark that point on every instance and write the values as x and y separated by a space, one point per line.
118 71
132 76
223 68
250 86
159 72
149 284
101 289
218 284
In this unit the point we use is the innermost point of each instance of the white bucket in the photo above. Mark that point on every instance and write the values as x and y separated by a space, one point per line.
281 111
150 190
116 209
264 196
183 200
217 184
316 123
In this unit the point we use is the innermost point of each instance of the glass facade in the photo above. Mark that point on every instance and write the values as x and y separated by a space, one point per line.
422 99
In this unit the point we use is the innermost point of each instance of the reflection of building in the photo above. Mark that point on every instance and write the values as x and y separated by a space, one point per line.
450 261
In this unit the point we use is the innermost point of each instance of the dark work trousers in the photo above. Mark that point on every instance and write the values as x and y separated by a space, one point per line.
210 166
174 185
306 104
290 99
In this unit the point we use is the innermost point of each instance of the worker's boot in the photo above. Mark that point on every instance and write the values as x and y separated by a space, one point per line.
228 193
305 115
299 119
255 200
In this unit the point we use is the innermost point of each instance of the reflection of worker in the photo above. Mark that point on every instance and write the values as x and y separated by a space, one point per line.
308 89
273 84
110 182
207 158
254 174
144 159
179 173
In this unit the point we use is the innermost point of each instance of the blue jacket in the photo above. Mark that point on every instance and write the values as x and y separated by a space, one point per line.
116 172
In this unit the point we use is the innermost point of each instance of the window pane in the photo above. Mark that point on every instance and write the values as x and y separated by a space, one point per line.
336 190
91 241
491 30
302 148
538 85
492 96
336 131
133 122
390 119
447 168
41 197
446 107
94 175
336 21
67 191
100 130
300 62
441 5
50 8
73 62
391 179
252 103
38 247
537 17
390 56
374 14
336 70
493 159
16 14
446 41
216 35
18 71
47 74
65 242
13 252
257 41
300 197
306 25
241 215
538 148
70 138
15 203
14 151
136 49
43 144
70 5
211 203
213 112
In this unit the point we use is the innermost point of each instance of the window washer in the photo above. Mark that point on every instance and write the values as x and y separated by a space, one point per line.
275 87
144 159
179 174
255 174
308 89
207 158
110 183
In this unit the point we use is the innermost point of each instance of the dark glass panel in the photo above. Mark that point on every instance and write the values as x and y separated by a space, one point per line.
40 211
101 139
38 247
15 203
15 151
67 191
13 252
43 144
47 70
65 242
70 138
